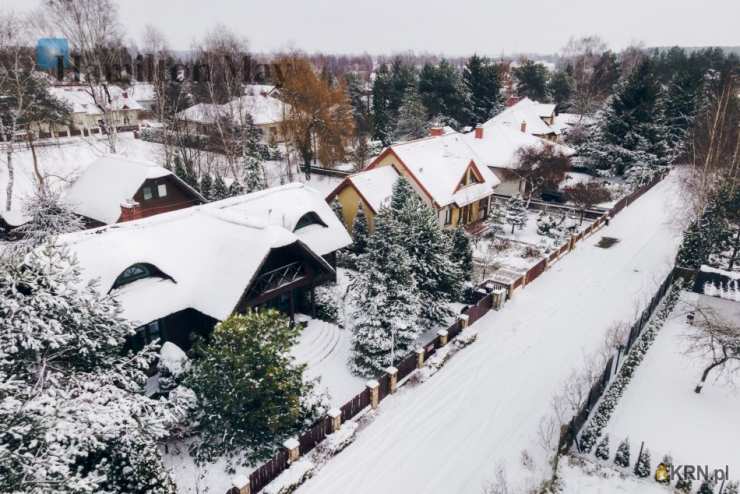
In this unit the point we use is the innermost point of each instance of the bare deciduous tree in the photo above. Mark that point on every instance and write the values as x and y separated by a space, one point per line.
716 341
585 196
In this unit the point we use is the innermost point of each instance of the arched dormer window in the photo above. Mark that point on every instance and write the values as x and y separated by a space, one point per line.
137 272
310 218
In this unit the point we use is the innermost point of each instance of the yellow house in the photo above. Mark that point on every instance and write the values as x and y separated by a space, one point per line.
441 168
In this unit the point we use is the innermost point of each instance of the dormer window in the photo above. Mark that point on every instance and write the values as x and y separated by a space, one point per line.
310 218
147 191
137 272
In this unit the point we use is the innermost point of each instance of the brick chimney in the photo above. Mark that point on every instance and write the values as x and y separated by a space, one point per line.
130 210
479 131
436 131
511 101
523 127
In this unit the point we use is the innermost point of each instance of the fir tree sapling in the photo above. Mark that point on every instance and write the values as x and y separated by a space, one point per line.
254 174
336 206
705 488
622 458
235 189
731 488
642 466
251 394
516 213
496 219
684 485
219 190
602 450
463 252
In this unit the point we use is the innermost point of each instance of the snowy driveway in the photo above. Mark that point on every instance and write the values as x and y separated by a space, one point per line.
450 434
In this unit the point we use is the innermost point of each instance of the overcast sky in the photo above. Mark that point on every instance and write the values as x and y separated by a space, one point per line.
454 27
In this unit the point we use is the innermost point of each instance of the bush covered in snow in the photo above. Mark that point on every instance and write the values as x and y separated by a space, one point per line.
251 394
327 306
337 441
683 485
633 359
642 466
622 458
173 363
602 450
292 478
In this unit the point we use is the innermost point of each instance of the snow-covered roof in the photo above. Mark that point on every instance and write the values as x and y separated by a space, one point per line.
81 101
283 206
375 185
211 252
439 164
258 102
564 121
142 91
210 255
500 145
524 111
99 190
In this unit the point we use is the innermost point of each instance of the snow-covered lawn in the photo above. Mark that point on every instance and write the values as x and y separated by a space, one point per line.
660 407
484 407
585 477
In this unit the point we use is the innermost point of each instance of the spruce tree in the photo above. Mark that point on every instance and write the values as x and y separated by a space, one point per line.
431 252
74 412
206 186
360 232
219 190
443 93
254 174
235 189
684 485
531 80
622 458
247 359
705 488
336 206
462 251
382 117
642 465
386 298
560 88
516 213
483 85
412 120
602 449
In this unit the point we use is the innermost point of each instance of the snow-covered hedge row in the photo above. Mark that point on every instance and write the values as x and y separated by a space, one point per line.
336 442
612 395
292 478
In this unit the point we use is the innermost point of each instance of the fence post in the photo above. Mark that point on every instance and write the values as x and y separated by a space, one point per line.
499 296
335 414
392 379
373 386
293 447
463 320
419 358
240 485
442 333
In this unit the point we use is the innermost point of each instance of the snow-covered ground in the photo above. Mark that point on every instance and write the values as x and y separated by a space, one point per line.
484 407
585 477
660 407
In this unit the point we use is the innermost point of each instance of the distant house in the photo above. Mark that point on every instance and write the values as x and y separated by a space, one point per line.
443 169
528 117
176 275
113 189
86 115
261 102
497 147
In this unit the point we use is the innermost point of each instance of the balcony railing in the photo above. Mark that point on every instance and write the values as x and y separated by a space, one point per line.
277 278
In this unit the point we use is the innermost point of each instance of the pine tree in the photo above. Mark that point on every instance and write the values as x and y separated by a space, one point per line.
516 213
622 458
336 206
443 93
531 80
248 360
560 88
74 414
693 251
219 190
359 232
463 252
48 216
642 466
386 299
483 85
382 115
602 449
206 186
412 120
254 174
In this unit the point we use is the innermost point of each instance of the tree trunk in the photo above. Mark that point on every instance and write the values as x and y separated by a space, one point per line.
11 178
36 170
706 372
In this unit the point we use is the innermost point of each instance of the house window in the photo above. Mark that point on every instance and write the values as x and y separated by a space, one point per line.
482 208
147 191
162 190
310 218
137 272
148 333
448 215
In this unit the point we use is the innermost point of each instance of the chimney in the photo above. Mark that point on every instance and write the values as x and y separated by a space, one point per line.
479 131
130 210
436 131
523 127
511 101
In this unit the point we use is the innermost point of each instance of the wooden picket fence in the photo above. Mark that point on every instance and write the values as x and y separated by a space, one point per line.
406 365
